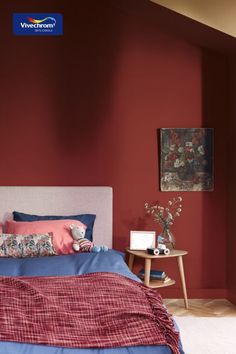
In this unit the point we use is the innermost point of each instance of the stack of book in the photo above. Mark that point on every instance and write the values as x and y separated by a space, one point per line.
157 275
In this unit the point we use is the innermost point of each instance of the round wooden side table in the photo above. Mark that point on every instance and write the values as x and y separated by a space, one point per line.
148 259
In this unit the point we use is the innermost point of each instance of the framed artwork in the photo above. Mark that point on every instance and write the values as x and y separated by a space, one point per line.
186 159
141 240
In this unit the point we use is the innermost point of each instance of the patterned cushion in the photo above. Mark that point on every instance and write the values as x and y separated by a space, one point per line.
20 246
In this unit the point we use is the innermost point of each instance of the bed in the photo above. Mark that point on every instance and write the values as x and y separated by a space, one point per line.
68 201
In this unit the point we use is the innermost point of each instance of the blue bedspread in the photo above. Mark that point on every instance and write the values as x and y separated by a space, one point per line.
76 264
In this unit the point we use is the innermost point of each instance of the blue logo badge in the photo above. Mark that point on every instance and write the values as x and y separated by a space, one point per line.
38 24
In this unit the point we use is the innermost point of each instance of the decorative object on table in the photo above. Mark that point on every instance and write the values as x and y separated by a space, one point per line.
165 217
141 240
161 242
82 244
161 249
186 159
153 251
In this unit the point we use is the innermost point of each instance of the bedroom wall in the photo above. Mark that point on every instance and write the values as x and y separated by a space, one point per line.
231 247
84 108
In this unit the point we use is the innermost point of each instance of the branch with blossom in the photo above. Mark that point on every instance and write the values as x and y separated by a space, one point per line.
165 216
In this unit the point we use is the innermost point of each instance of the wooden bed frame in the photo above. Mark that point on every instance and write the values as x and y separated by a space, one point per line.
62 201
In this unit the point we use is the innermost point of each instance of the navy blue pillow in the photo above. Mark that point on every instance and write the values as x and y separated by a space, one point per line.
86 219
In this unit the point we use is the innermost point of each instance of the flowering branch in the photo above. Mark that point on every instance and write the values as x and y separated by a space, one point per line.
165 216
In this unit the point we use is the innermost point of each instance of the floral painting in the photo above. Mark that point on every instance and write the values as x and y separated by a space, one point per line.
187 159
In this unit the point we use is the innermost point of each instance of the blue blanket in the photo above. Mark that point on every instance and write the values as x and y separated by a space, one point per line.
76 264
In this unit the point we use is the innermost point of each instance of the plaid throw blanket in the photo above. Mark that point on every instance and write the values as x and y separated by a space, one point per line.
93 310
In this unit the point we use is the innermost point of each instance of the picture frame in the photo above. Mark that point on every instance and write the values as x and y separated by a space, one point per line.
141 240
186 159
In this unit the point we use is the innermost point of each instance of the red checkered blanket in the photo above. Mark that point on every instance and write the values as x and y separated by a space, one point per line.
93 310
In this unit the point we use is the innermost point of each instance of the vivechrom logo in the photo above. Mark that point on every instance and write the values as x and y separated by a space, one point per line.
47 23
37 24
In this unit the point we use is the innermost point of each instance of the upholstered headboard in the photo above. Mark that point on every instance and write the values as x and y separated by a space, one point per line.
62 201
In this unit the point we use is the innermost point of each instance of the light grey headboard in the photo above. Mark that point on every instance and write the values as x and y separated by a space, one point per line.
62 201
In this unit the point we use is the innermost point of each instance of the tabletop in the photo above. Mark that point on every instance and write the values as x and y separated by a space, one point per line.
144 254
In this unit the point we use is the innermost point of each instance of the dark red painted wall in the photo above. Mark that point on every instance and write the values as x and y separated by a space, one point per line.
231 249
83 109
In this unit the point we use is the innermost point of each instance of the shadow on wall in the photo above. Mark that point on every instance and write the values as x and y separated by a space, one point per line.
215 115
84 68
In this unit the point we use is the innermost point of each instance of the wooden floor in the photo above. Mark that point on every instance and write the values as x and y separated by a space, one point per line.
201 307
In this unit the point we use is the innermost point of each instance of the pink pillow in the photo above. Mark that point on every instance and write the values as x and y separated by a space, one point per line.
62 239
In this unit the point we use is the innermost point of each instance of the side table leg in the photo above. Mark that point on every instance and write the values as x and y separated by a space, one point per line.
182 277
131 261
147 271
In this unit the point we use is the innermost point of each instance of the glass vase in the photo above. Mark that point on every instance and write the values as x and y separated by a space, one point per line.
168 238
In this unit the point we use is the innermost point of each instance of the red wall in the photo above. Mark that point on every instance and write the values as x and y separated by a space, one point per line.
231 250
83 109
